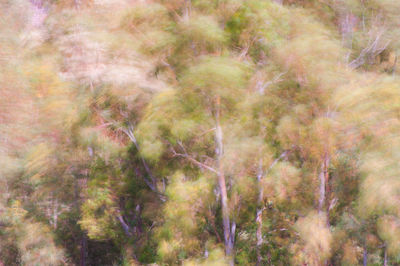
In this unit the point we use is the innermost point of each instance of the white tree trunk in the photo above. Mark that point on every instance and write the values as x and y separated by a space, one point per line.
260 209
228 237
323 184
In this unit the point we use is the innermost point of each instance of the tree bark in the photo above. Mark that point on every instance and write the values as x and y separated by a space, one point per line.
222 185
124 225
365 256
83 250
385 259
78 201
324 186
322 189
259 214
55 213
188 7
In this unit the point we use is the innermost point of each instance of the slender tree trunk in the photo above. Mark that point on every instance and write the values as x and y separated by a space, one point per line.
322 189
83 241
347 22
188 7
55 213
124 225
385 259
152 183
260 207
394 66
232 239
83 251
79 187
259 214
324 186
365 255
222 185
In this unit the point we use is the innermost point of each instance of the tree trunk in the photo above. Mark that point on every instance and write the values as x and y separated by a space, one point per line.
347 22
365 256
322 189
83 240
222 185
124 225
83 251
79 187
324 186
259 214
55 213
260 207
188 7
385 259
152 183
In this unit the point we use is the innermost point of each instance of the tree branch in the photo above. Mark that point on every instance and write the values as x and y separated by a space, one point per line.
372 49
276 79
152 183
284 154
191 159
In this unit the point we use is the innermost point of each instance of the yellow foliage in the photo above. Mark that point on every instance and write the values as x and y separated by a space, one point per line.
389 231
186 201
315 246
215 257
283 179
351 253
39 158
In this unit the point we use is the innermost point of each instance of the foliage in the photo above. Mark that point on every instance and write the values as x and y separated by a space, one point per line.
199 132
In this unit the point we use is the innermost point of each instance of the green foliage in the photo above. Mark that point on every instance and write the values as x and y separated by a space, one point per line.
185 205
202 30
216 76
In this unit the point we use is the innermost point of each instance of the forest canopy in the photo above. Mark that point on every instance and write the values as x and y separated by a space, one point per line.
199 132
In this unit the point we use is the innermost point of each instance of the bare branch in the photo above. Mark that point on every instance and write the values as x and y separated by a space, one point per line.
284 154
191 159
152 183
124 225
275 80
372 49
205 132
280 230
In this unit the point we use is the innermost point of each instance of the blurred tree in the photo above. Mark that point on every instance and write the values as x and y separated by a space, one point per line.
199 132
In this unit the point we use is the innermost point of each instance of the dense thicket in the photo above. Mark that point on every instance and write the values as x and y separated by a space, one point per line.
199 132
